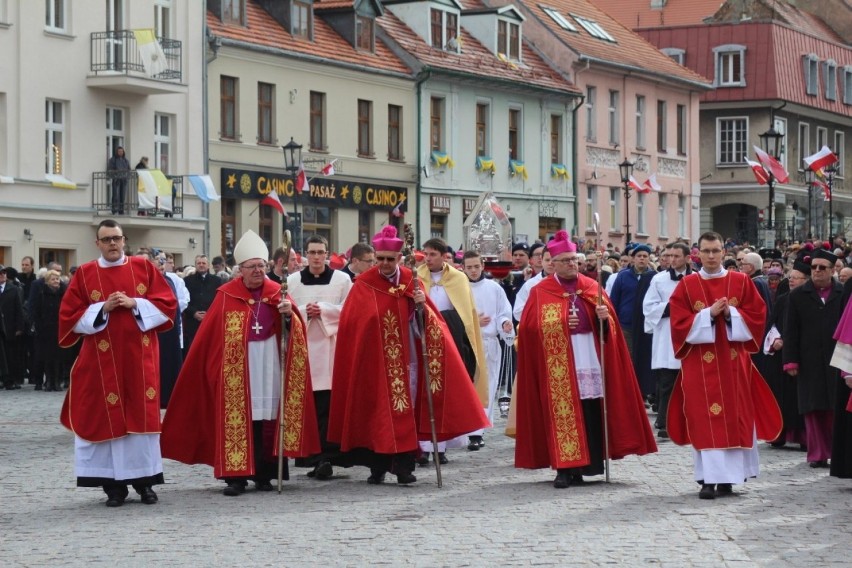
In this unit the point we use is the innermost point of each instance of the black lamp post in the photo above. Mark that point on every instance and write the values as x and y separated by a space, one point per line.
771 142
830 172
810 176
292 161
626 169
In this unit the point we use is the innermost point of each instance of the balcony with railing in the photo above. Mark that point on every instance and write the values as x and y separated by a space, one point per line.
116 63
116 193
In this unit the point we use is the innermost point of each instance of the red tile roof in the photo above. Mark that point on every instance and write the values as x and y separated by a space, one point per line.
629 49
773 65
262 29
475 59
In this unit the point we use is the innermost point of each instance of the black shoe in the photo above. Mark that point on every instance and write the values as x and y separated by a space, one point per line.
234 488
405 478
324 471
475 443
707 492
423 460
147 495
442 458
577 480
663 434
38 387
724 489
563 480
819 464
377 477
116 496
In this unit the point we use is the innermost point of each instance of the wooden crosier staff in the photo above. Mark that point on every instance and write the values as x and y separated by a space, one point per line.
282 350
420 316
601 332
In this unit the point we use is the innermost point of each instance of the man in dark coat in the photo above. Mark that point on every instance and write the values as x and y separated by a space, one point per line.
12 328
202 289
812 316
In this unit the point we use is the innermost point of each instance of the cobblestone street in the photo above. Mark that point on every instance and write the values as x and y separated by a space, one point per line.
487 514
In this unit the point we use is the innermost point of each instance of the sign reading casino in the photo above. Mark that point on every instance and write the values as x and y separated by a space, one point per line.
324 191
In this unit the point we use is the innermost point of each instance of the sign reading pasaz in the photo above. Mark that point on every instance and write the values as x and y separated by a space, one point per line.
324 191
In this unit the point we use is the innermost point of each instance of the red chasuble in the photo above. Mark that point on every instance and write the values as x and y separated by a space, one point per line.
115 382
719 396
209 415
371 402
550 427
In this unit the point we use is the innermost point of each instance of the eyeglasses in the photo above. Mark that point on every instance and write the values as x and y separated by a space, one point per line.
385 259
367 260
566 260
712 251
253 267
316 252
108 240
819 267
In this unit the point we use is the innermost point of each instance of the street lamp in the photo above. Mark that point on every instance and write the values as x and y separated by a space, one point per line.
292 162
810 176
626 169
771 142
830 172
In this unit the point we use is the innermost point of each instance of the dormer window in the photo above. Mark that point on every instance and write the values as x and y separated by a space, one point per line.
593 28
509 39
677 54
559 19
811 68
233 12
730 65
444 28
364 33
830 80
301 20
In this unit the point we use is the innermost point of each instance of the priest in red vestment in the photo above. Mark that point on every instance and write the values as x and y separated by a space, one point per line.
559 387
378 403
225 406
720 404
117 305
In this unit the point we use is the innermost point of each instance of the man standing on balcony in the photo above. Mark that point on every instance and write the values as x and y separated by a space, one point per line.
118 167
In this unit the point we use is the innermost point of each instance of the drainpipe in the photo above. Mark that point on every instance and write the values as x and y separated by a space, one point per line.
580 101
422 77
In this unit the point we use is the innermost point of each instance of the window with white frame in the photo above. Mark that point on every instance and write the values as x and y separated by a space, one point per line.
821 137
614 209
301 20
663 214
681 216
780 125
483 116
162 141
559 19
810 64
594 28
830 70
681 130
677 54
840 151
614 122
56 15
730 65
233 12
591 122
509 39
732 140
662 126
516 121
443 29
804 145
847 85
54 136
640 213
591 206
114 130
437 111
163 18
640 121
556 137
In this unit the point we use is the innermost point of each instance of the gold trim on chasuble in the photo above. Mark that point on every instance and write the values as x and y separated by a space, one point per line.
396 369
233 367
103 345
716 409
698 306
141 289
294 403
95 295
435 351
150 393
112 398
556 346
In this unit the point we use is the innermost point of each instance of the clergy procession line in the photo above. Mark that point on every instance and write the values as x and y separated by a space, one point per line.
382 366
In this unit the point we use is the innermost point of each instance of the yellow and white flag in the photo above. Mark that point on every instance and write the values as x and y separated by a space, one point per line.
151 52
155 190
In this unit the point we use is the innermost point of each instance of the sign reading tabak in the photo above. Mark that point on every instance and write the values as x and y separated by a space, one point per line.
324 191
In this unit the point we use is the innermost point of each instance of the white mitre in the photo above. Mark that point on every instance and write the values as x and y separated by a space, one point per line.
250 246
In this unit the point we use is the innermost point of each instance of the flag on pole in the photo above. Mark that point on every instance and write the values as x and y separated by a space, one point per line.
302 181
651 183
272 200
772 165
204 188
633 184
155 190
328 170
151 52
759 172
401 207
821 159
826 191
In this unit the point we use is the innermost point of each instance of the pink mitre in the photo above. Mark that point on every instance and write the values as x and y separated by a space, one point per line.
561 244
387 240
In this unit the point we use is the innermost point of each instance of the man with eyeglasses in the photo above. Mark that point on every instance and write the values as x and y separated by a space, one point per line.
812 316
225 408
116 304
362 258
319 292
720 404
379 410
559 388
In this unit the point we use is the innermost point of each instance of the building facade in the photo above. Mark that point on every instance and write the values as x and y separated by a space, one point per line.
62 118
